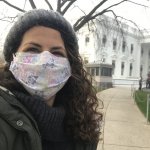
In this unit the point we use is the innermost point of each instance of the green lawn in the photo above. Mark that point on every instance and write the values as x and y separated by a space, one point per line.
141 100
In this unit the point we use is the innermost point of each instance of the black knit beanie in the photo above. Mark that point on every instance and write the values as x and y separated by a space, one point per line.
39 17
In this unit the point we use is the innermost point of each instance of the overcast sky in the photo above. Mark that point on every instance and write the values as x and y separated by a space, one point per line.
140 15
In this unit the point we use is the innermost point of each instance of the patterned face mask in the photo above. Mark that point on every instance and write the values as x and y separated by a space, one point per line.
42 74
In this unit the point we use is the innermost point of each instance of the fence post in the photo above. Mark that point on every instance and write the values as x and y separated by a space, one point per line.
148 103
132 90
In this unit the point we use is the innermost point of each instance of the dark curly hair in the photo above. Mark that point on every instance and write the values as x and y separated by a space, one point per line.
82 119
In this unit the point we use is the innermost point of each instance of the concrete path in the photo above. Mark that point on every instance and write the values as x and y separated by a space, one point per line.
124 126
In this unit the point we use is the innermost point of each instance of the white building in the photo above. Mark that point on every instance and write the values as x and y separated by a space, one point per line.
125 47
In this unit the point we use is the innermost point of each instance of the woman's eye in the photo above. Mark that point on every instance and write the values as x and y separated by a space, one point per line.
59 54
32 50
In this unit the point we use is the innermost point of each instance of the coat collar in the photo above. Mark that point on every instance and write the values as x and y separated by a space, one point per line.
12 109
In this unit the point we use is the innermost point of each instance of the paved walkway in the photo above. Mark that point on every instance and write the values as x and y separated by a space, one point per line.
124 127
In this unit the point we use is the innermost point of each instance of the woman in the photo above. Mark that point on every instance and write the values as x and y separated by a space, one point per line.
46 99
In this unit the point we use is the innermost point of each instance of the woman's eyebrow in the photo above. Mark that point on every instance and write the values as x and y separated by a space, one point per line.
35 44
58 47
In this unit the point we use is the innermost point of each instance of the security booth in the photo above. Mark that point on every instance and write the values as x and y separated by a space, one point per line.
101 74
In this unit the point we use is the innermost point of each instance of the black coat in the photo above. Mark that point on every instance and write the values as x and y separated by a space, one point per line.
19 130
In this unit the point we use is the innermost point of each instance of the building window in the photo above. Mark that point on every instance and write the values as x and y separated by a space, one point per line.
113 66
142 51
93 71
131 68
106 71
104 40
97 71
132 48
85 60
122 68
114 44
123 46
87 40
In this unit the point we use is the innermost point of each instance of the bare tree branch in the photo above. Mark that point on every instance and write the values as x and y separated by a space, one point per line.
1 19
68 6
106 10
32 4
81 22
64 5
96 7
77 22
9 19
88 26
59 6
81 18
116 16
49 5
131 22
118 23
13 6
137 3
116 19
80 9
24 4
90 17
63 2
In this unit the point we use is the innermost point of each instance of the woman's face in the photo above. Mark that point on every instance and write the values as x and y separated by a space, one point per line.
40 38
